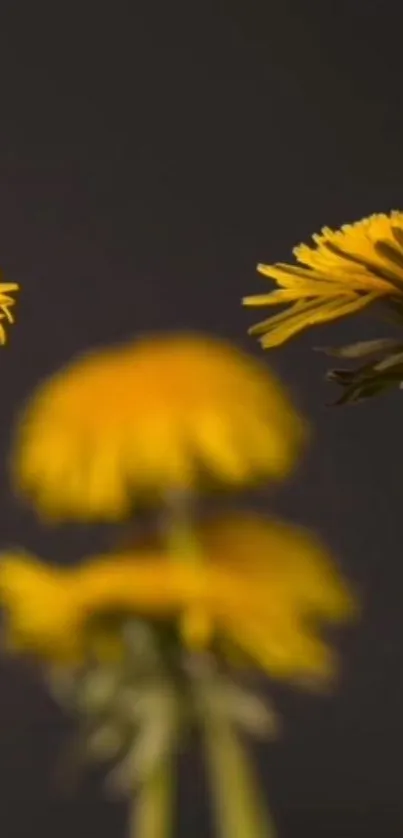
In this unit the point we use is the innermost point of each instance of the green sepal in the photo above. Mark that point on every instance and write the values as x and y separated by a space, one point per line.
367 381
383 370
362 349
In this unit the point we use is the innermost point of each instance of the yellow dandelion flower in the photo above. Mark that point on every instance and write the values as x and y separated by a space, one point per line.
6 303
151 417
346 270
265 586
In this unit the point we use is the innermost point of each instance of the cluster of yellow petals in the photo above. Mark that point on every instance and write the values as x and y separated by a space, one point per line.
6 303
345 271
264 586
152 416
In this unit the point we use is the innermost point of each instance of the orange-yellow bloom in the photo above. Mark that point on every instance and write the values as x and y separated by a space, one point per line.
6 302
151 417
264 586
346 270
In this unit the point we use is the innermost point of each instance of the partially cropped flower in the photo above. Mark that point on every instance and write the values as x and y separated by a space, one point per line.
346 271
150 418
6 303
116 637
264 587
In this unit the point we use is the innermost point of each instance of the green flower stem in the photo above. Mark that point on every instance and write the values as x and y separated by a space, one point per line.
184 546
181 538
152 806
240 810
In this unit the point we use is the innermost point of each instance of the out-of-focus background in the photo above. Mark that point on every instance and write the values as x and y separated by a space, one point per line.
151 154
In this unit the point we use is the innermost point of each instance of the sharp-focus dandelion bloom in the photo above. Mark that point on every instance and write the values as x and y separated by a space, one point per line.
346 271
152 417
6 303
264 586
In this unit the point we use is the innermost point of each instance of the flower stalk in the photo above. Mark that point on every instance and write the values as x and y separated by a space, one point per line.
183 545
240 810
152 806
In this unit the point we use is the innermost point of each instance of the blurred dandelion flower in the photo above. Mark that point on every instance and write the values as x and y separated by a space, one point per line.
346 271
264 587
6 302
152 417
113 636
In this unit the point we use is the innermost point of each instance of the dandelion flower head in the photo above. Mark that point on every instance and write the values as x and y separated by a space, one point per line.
345 271
266 587
152 416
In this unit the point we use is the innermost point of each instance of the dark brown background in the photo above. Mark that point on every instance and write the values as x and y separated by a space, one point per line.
150 154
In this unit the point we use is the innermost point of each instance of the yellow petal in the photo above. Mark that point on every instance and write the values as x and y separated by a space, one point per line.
285 653
303 319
